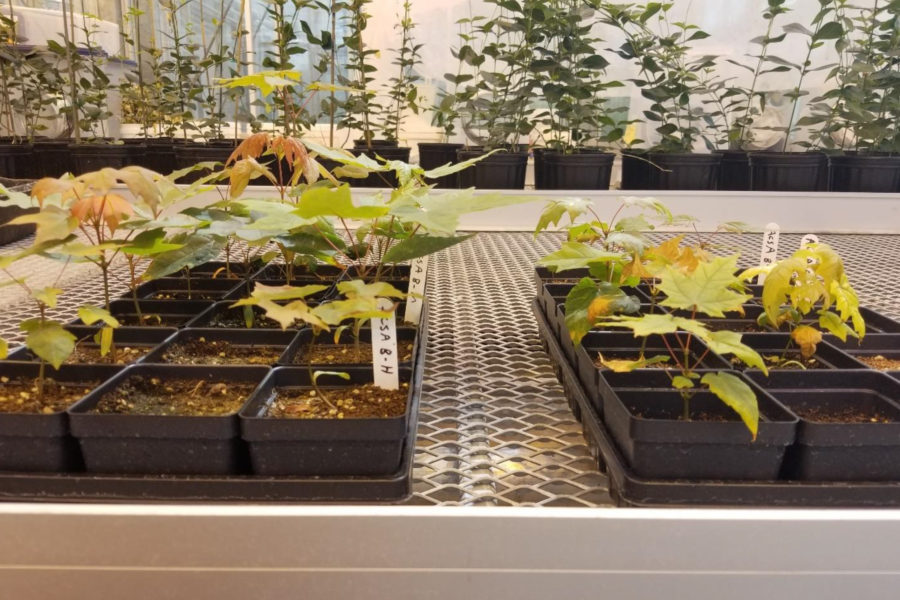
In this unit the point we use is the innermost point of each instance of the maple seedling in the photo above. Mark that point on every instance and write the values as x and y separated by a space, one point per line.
809 288
711 289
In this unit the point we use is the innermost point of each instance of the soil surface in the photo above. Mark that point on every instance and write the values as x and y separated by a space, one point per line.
344 354
203 352
184 295
740 327
90 353
879 362
153 320
139 395
361 401
789 361
843 414
20 395
234 319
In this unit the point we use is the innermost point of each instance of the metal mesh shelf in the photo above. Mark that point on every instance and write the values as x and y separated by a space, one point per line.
495 428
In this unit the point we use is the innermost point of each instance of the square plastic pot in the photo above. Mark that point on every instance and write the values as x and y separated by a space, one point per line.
828 451
646 426
300 344
282 447
41 442
827 355
144 337
177 289
151 444
254 338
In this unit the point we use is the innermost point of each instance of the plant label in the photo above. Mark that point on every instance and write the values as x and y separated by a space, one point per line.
417 274
769 253
385 366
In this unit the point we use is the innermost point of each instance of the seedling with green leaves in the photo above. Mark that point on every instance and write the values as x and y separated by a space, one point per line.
402 91
807 289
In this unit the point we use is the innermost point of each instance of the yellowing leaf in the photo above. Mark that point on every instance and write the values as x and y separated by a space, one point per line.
336 202
91 314
738 395
47 296
833 323
680 382
627 366
651 324
807 338
778 285
49 341
278 292
242 172
4 348
286 315
53 225
106 339
707 290
583 295
729 342
357 288
338 311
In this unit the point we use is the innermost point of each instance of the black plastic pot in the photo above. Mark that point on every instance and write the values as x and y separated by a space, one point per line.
864 173
188 155
866 451
827 355
124 443
176 289
221 270
144 337
281 447
221 316
385 179
16 159
52 158
613 345
734 171
788 171
164 313
877 322
644 420
687 171
500 171
93 157
244 338
581 171
41 442
637 172
300 344
159 154
395 274
14 233
434 155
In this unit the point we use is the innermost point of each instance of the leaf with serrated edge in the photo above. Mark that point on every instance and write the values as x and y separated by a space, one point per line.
729 342
652 324
47 296
50 342
336 202
573 255
421 245
262 291
833 323
357 288
627 366
737 395
706 290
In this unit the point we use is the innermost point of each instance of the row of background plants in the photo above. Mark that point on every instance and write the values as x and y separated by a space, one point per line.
526 68
717 377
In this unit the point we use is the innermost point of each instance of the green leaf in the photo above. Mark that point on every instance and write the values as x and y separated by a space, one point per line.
573 255
91 314
49 341
341 374
653 324
150 243
336 202
706 290
421 245
195 249
52 224
440 213
729 342
47 296
588 301
737 395
450 169
680 382
829 31
555 209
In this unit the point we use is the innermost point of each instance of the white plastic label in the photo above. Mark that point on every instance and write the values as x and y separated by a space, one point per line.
384 349
769 253
417 274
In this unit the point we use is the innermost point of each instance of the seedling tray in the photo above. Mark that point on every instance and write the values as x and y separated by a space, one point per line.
628 489
82 487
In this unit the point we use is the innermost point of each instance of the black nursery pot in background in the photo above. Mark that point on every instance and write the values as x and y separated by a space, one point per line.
864 173
93 157
584 170
788 171
434 155
170 444
52 158
636 170
500 171
16 159
191 153
734 171
849 424
685 171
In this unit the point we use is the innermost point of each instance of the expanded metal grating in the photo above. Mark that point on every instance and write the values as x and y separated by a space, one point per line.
495 428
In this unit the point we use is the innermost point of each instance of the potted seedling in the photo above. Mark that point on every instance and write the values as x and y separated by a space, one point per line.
853 118
402 93
786 170
573 82
672 81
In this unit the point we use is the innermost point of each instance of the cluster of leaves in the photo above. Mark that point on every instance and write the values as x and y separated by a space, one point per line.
361 108
861 107
668 77
808 293
572 78
402 90
618 256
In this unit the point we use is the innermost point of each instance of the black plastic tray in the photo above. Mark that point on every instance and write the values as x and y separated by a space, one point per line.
81 487
627 489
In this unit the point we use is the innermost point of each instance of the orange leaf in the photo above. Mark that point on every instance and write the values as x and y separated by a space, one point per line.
807 338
